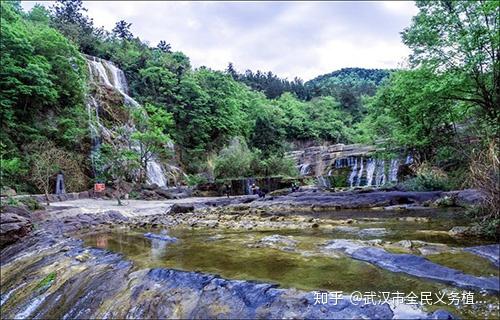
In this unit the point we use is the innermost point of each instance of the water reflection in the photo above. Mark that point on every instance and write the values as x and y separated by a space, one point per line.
158 249
102 241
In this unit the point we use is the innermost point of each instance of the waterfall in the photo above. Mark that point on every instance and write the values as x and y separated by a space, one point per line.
409 159
354 171
248 185
380 173
393 170
105 73
155 174
370 169
360 173
324 182
304 169
109 75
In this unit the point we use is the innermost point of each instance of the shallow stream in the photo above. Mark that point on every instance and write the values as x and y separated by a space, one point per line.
301 261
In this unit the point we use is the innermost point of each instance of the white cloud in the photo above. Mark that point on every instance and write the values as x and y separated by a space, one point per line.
290 39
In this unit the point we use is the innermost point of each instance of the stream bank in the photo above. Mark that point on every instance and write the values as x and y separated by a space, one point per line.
90 258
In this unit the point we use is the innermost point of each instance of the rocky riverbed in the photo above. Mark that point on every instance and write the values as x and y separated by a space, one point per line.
92 259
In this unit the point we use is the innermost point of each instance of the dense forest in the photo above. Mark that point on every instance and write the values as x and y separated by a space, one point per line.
443 107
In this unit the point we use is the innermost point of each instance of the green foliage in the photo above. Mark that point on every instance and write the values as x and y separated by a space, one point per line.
461 38
13 202
427 178
348 86
47 281
122 30
234 161
410 111
152 124
11 169
31 203
42 84
277 165
270 84
195 179
237 161
121 162
327 121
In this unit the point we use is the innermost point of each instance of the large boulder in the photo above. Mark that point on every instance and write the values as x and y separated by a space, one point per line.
181 208
14 224
7 192
466 197
165 193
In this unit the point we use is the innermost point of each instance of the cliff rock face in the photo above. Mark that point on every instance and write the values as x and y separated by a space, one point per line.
109 107
15 223
341 165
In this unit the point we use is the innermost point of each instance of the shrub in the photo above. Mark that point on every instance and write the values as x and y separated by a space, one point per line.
237 161
279 165
428 178
234 161
195 179
12 202
484 175
31 203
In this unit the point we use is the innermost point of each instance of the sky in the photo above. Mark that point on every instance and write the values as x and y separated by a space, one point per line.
303 39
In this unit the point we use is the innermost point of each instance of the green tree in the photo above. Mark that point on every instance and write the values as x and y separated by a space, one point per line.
152 124
42 76
69 17
296 121
461 38
411 111
164 46
326 119
121 162
122 30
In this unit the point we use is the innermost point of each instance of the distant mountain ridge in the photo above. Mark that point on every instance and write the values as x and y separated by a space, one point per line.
348 86
375 75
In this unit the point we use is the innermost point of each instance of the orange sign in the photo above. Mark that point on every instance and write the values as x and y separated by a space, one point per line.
99 187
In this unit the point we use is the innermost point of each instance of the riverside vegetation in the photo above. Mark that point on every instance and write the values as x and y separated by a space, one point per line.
443 109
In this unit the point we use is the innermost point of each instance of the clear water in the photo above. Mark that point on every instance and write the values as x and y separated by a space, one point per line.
236 254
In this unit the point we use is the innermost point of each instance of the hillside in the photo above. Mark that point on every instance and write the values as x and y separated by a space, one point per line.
348 86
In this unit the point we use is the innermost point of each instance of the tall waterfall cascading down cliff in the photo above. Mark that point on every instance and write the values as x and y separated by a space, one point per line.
104 74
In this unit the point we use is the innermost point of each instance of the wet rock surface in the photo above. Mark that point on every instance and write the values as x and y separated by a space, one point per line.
420 267
15 223
286 243
62 278
490 252
319 200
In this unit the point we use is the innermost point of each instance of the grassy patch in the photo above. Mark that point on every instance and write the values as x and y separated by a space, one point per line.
47 281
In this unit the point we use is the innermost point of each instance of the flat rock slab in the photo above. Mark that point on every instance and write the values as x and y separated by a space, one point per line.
490 252
421 267
348 200
193 295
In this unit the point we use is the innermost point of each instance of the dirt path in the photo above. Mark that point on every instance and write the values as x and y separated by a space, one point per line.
132 208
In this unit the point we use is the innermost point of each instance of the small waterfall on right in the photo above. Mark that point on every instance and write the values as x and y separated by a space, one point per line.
304 169
379 173
360 173
354 172
370 169
393 170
